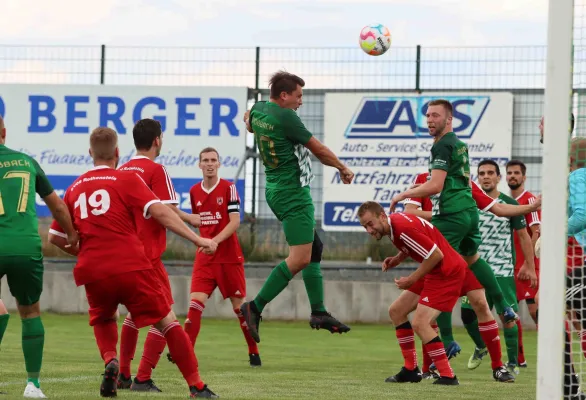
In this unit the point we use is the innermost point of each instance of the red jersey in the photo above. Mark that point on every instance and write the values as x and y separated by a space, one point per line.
483 201
419 238
214 207
153 234
532 219
105 205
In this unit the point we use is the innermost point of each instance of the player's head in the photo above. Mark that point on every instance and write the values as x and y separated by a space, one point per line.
148 135
287 90
489 175
104 146
373 218
439 117
2 131
209 162
541 127
577 153
516 172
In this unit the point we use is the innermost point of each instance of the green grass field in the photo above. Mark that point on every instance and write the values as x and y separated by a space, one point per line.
297 363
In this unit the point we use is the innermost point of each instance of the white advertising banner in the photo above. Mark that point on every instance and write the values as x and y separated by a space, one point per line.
384 139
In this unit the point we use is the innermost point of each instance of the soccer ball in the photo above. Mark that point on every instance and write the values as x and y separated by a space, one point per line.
375 40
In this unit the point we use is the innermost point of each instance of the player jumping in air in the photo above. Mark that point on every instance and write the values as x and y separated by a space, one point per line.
148 140
516 171
217 203
442 277
285 145
21 258
454 210
112 263
497 247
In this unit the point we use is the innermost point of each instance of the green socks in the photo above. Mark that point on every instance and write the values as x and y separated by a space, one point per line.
485 276
444 323
3 324
314 285
474 333
33 340
275 284
512 342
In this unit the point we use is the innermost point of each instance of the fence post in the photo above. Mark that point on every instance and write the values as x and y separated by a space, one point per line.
254 159
103 65
418 69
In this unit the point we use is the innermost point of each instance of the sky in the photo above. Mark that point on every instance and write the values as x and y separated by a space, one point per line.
244 23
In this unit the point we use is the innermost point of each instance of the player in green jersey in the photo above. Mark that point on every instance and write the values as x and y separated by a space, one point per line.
498 249
454 210
21 259
285 145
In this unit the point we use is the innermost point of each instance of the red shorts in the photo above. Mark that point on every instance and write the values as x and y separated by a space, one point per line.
524 289
575 255
228 277
417 287
442 292
161 273
142 295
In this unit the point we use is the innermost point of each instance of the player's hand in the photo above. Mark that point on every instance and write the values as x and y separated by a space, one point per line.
396 200
391 262
537 205
207 246
526 274
194 220
72 240
538 247
346 175
404 282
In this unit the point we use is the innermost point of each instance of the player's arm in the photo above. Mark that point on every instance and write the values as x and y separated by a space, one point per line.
510 210
164 216
61 214
192 219
233 207
162 187
428 264
577 198
247 121
59 240
527 271
394 261
414 209
433 186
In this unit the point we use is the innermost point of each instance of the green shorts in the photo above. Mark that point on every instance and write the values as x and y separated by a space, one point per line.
25 277
294 208
461 230
509 290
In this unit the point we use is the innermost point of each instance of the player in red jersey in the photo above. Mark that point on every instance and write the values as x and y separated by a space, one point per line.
445 276
112 264
148 140
516 171
217 203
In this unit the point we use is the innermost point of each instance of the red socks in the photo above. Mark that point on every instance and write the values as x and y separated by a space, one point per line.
436 351
154 346
252 346
427 361
129 337
106 334
182 352
406 339
490 335
193 322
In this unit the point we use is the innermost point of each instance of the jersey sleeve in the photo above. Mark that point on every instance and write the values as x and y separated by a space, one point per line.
42 185
418 243
137 194
483 201
295 129
441 154
232 199
533 218
418 201
162 186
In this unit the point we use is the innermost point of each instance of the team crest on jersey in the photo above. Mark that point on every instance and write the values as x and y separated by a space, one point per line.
220 201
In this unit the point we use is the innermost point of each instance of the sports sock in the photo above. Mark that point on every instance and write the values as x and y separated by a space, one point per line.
490 335
275 284
128 340
252 346
314 285
521 352
512 343
193 321
183 354
33 341
406 339
3 324
106 334
485 276
436 351
154 345
427 361
444 321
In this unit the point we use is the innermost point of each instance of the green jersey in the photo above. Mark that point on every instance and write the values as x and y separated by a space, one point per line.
497 247
450 154
20 178
281 137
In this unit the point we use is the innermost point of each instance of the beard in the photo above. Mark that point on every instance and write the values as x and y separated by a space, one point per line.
514 186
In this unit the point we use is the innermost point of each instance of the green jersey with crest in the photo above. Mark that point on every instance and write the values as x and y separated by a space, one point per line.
450 154
497 247
281 137
20 178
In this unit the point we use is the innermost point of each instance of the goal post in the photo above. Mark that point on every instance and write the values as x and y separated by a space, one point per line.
558 95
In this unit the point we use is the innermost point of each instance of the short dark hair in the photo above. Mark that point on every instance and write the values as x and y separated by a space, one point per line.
518 163
282 81
144 132
371 206
209 150
442 102
490 162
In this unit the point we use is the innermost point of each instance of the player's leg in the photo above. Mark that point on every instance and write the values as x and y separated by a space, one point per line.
253 352
470 321
128 341
511 330
4 317
399 312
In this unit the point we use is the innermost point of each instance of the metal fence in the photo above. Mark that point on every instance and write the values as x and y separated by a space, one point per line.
520 70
